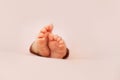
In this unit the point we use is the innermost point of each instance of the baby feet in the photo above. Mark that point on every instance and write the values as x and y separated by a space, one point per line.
40 45
49 45
57 46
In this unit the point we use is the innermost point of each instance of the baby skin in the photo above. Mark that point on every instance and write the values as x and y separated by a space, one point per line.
49 45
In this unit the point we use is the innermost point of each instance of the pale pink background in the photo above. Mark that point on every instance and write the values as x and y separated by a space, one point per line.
91 29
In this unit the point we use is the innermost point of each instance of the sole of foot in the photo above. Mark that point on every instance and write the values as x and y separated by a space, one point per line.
57 46
40 45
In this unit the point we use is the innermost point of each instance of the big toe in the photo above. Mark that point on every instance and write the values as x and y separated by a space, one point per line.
51 37
43 30
49 27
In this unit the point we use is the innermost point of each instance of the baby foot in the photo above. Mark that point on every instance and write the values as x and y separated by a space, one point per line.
40 45
57 46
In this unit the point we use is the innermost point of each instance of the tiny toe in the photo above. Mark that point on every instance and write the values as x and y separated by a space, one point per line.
58 39
60 45
61 42
40 35
49 27
43 30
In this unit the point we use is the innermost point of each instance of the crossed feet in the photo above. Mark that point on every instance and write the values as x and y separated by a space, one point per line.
49 45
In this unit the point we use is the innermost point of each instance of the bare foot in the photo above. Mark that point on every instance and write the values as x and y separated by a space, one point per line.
40 45
57 46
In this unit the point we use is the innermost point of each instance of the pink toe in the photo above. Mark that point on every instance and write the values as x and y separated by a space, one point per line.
40 35
47 27
51 27
58 39
61 42
43 30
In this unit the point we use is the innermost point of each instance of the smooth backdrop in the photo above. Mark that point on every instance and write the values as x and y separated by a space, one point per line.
91 29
